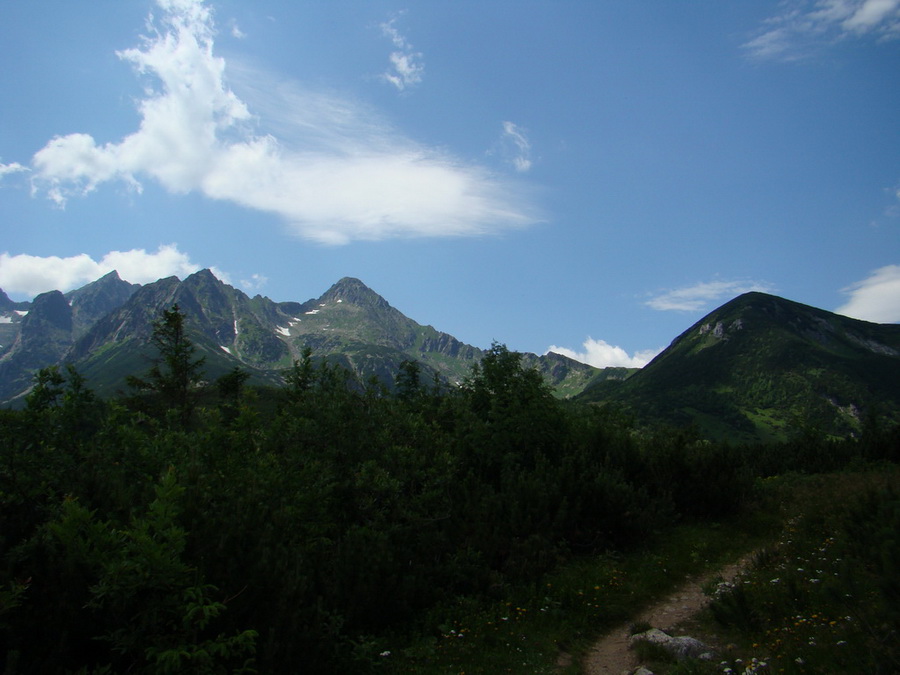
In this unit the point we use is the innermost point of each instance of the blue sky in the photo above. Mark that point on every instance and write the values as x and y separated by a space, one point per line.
588 176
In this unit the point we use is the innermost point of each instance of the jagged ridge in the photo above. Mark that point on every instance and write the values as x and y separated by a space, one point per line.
111 323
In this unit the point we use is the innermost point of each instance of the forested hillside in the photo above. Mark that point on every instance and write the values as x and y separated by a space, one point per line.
218 528
760 366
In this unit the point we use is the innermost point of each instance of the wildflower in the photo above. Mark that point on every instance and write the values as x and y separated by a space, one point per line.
385 653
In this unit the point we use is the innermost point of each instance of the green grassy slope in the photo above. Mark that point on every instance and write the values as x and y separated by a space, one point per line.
762 367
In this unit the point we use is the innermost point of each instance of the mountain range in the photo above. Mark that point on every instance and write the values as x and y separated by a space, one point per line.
757 368
104 329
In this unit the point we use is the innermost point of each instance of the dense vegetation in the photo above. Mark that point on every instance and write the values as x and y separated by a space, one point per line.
217 529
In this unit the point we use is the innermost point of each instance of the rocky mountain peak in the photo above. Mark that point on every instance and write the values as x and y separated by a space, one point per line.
5 303
49 310
96 299
201 277
355 292
8 305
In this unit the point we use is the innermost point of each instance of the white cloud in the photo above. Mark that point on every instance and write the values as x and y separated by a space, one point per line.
883 15
406 63
699 296
515 147
13 167
804 25
29 275
333 172
876 298
601 354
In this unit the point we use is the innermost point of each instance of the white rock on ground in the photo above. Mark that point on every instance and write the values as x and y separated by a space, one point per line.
683 647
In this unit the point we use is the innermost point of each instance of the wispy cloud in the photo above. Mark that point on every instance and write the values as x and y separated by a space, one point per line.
805 25
875 298
601 354
406 68
13 167
254 283
329 168
515 147
701 296
236 31
892 210
29 275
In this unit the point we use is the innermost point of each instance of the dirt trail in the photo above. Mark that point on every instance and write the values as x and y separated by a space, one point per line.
611 654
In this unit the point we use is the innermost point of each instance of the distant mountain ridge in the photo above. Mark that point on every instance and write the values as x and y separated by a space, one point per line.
761 367
104 328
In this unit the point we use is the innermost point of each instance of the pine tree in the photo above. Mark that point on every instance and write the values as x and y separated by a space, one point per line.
176 372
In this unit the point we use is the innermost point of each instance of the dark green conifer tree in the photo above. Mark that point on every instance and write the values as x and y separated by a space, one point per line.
176 372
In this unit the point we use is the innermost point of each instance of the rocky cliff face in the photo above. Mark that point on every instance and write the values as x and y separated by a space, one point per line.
11 314
92 302
44 338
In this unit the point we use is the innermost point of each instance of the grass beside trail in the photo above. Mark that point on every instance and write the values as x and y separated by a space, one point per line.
530 627
823 596
567 610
